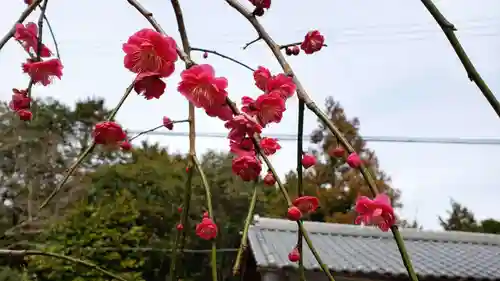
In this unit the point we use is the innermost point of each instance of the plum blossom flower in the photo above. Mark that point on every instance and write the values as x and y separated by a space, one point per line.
43 71
246 167
150 51
108 133
313 42
206 229
261 75
306 204
269 145
378 211
200 86
150 85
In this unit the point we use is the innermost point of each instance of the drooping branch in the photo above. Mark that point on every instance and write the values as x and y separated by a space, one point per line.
246 226
24 253
449 31
157 128
300 188
21 19
223 56
192 147
208 195
304 97
53 35
86 152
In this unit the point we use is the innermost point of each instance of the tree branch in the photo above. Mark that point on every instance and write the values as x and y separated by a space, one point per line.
252 42
300 189
21 19
208 196
449 31
156 128
192 144
244 236
53 35
85 153
223 56
302 95
23 253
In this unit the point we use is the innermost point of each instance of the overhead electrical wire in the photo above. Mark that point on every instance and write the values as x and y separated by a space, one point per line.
388 139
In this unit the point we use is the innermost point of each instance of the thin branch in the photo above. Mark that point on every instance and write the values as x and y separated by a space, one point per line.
178 246
21 19
85 153
302 95
300 182
244 236
449 30
252 42
53 35
295 44
43 8
23 253
156 128
131 249
223 56
192 146
208 196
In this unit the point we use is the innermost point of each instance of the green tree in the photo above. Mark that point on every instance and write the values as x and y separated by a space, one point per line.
332 181
460 218
134 204
35 155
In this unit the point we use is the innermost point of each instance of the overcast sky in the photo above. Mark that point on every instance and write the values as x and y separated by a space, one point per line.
387 63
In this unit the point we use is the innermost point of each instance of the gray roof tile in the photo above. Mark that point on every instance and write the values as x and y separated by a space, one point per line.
353 248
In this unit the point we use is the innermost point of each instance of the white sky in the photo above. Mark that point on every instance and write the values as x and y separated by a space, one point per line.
387 63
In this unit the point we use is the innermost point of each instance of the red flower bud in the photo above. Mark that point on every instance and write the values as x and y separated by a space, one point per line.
294 255
269 179
294 213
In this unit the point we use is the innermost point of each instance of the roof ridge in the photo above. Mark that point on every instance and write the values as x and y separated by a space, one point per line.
369 231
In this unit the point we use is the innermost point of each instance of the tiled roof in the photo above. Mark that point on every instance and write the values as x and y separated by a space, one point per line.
358 249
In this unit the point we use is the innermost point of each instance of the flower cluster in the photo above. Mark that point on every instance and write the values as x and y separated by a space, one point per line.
312 43
152 56
39 70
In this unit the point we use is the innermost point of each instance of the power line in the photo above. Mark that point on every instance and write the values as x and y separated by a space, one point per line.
388 139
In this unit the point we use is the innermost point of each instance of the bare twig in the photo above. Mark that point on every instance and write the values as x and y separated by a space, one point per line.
21 19
449 31
252 42
53 35
43 8
23 253
223 56
303 96
156 128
